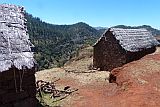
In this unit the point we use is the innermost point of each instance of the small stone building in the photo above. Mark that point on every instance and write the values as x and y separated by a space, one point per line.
117 47
17 65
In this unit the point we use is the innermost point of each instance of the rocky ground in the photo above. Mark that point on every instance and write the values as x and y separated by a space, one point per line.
137 83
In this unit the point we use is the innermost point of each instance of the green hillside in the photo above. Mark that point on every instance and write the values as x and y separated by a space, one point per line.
56 44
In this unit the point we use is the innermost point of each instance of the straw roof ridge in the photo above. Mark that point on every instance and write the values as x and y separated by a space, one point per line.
15 47
132 40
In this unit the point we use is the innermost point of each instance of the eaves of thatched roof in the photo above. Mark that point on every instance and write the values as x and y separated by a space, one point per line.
15 47
133 40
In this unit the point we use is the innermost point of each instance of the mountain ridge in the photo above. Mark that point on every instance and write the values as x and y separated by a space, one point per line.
56 44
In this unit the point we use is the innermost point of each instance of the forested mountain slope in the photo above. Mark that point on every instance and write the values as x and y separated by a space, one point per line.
55 44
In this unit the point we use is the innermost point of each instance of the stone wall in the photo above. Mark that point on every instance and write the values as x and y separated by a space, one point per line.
108 54
132 56
17 88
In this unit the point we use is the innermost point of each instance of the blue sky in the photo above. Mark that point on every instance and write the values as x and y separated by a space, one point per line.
104 13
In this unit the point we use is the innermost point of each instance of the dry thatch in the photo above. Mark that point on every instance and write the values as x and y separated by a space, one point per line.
132 40
15 47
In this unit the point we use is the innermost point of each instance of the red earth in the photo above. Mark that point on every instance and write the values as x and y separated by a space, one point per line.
137 85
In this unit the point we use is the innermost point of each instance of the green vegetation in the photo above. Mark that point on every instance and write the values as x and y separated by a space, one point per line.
56 44
47 101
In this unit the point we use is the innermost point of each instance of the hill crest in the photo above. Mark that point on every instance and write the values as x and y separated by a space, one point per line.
56 44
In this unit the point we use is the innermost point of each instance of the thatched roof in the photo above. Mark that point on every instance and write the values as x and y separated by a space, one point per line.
133 40
15 47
